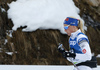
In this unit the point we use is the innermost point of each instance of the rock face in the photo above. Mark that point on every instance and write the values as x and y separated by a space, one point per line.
94 3
40 47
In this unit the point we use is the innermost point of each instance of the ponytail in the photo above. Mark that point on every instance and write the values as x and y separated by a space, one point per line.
80 26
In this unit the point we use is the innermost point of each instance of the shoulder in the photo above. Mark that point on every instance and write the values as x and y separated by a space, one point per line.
81 38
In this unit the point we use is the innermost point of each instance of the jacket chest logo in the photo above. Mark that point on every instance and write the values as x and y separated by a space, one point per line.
73 43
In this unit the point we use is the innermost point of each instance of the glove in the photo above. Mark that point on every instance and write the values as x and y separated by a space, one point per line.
69 54
60 48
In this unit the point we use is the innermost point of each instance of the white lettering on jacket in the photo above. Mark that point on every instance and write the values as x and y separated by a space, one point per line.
73 43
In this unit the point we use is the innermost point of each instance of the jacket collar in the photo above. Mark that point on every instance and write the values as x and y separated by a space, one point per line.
74 34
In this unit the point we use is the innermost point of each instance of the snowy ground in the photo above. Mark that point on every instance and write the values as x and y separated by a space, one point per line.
38 67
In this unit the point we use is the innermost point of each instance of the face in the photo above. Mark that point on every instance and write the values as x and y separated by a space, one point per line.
70 29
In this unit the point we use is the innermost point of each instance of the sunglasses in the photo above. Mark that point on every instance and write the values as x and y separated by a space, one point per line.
66 27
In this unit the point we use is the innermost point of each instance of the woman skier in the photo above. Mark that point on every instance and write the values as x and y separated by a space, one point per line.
80 52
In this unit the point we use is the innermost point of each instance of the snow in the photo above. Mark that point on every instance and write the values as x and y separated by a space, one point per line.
41 14
3 10
5 41
9 33
9 53
38 67
98 56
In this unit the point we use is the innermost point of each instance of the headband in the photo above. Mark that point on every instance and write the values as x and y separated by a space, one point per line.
71 21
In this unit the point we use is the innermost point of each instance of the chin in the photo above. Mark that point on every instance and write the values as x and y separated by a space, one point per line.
68 34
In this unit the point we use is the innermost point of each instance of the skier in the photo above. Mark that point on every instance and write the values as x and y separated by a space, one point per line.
80 52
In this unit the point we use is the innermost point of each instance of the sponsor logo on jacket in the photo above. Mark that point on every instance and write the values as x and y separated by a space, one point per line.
73 43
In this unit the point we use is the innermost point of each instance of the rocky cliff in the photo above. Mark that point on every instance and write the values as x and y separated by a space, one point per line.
40 47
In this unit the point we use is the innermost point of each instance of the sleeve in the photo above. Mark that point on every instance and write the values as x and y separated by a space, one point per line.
86 52
83 42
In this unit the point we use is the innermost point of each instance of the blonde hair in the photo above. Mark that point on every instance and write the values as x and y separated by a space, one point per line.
80 26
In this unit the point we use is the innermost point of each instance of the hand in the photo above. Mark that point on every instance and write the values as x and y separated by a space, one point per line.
69 54
60 48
